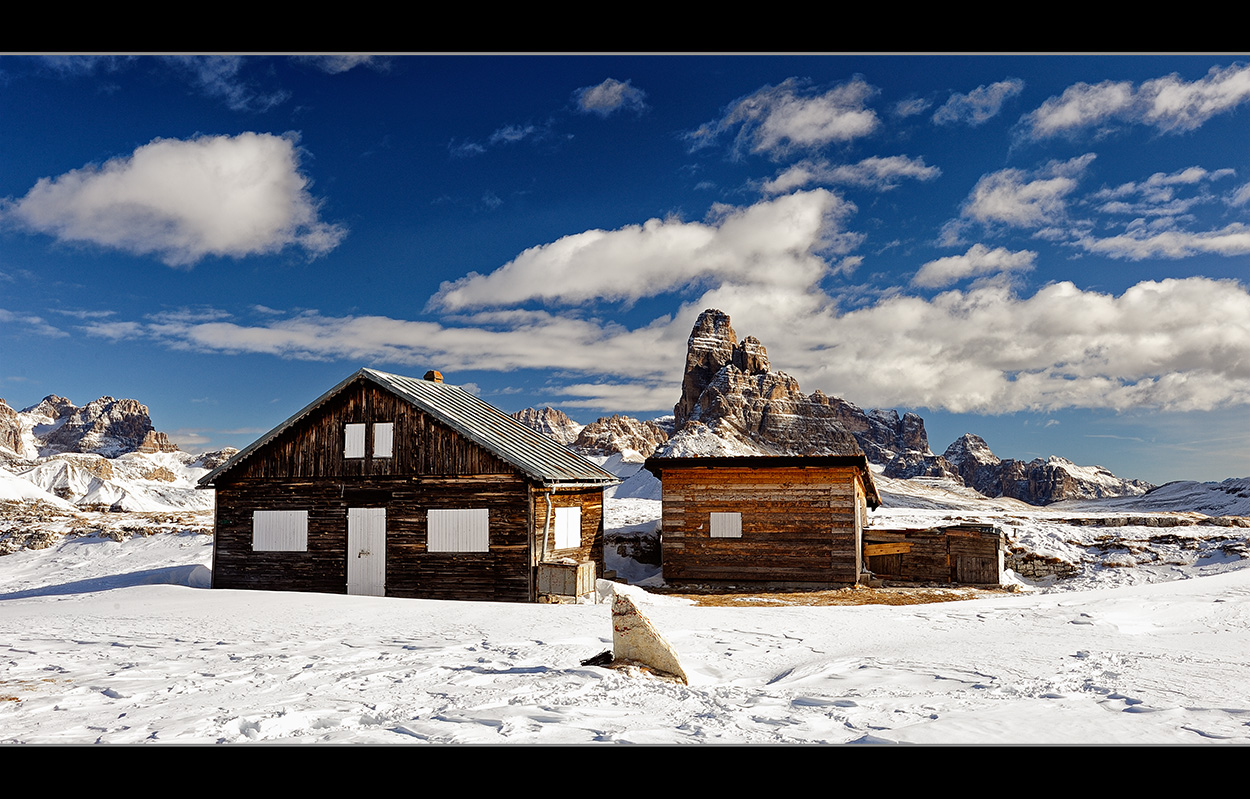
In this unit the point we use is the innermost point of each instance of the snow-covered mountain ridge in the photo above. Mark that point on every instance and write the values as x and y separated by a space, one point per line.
105 454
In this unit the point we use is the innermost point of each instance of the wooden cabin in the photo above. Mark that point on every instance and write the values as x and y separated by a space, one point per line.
766 521
393 486
970 554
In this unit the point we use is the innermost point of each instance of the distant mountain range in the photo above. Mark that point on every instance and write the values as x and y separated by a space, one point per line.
104 454
733 403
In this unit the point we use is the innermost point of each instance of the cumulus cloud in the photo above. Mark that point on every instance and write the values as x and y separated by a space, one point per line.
1025 199
877 173
1176 345
979 105
780 239
1170 104
777 120
183 200
978 260
609 97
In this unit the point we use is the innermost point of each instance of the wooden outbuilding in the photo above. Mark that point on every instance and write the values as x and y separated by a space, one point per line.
764 520
392 486
969 554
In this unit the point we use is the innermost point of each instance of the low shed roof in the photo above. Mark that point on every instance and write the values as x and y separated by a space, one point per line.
658 465
537 456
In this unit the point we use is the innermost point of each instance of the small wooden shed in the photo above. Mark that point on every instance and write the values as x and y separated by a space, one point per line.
392 486
765 520
969 554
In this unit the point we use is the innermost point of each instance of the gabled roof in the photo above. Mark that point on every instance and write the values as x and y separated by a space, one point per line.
532 453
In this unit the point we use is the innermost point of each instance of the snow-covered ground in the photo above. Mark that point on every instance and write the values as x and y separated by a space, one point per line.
117 641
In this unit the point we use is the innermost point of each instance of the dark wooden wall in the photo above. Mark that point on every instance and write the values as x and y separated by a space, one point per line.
799 525
432 467
313 447
955 554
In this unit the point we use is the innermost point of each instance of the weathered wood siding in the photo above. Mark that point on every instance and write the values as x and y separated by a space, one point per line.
422 445
503 573
971 554
799 525
591 502
431 466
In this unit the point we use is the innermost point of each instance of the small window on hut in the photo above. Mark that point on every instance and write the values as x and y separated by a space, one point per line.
280 531
383 439
568 528
354 441
726 525
458 530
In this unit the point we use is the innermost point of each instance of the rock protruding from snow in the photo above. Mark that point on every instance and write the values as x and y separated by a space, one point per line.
635 640
553 423
1038 482
634 439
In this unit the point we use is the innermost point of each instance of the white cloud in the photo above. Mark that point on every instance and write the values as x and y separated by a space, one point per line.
911 107
36 324
1143 240
218 76
779 239
881 174
183 200
979 105
1024 199
608 97
779 119
978 260
1169 103
1157 195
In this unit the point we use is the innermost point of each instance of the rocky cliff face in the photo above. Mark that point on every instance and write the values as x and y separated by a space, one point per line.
634 439
106 426
550 422
1038 482
733 403
10 428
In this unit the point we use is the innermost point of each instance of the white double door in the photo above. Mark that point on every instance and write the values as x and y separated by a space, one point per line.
366 551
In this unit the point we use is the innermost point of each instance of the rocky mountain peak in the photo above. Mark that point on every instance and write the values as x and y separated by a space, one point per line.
631 437
730 391
52 407
970 449
553 423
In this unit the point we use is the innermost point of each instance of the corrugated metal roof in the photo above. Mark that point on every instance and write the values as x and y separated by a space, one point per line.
528 450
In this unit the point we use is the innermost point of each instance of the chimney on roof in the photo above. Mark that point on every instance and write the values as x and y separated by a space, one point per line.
434 377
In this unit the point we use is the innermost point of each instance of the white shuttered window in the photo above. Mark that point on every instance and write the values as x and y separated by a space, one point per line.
568 528
726 525
458 530
354 441
383 439
280 531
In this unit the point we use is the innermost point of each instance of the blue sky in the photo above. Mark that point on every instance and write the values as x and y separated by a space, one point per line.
1049 251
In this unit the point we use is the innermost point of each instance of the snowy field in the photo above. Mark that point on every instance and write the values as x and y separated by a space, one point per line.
118 642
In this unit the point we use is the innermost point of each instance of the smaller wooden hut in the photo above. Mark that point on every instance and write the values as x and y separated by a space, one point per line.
392 486
783 521
970 554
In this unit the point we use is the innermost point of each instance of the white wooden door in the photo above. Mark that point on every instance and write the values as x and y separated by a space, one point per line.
366 551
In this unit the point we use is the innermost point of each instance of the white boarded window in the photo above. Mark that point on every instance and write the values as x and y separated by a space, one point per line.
726 525
383 439
280 531
459 530
568 528
354 441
